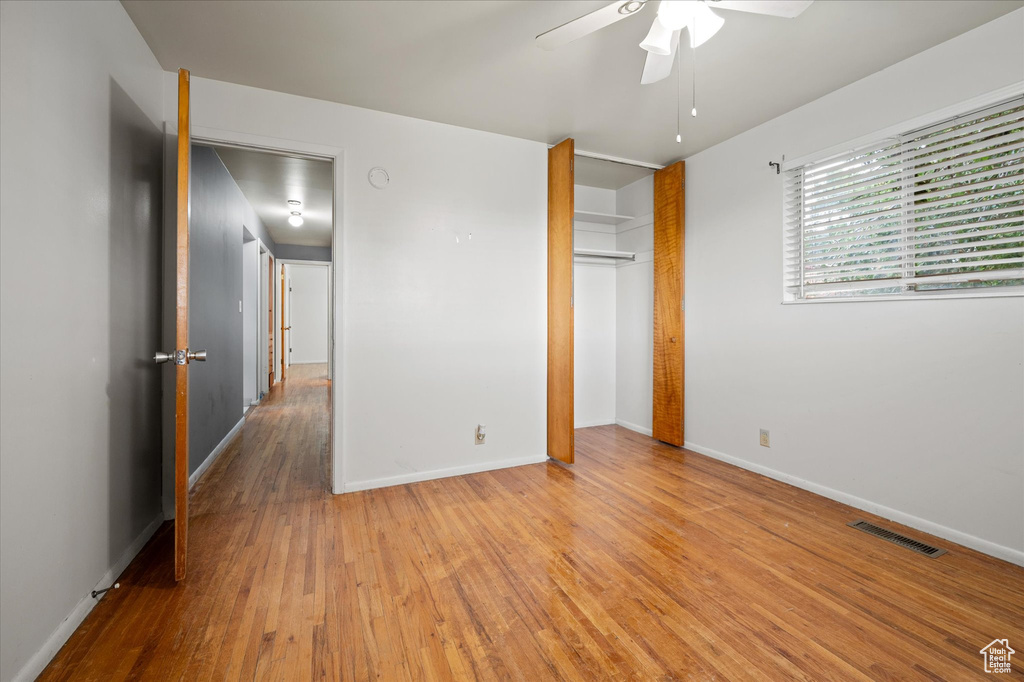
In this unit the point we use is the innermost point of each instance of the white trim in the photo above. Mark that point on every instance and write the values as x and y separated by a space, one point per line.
931 118
42 657
352 486
603 422
1014 556
634 427
215 453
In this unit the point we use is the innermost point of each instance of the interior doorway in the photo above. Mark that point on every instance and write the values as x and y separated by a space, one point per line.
306 312
252 211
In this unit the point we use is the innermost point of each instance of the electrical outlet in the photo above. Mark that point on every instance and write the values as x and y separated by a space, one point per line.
765 443
481 434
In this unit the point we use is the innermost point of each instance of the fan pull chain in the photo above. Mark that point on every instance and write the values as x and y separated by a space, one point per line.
679 96
693 60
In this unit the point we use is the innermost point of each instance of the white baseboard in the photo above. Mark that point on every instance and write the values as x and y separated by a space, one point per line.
634 427
441 473
587 425
41 658
973 542
212 457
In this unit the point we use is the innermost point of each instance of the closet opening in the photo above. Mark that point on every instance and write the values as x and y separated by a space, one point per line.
613 294
616 264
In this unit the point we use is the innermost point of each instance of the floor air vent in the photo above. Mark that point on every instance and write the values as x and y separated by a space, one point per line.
897 539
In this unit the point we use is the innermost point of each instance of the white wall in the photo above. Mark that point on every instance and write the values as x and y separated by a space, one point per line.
264 339
437 335
308 313
80 133
250 321
914 409
594 314
634 290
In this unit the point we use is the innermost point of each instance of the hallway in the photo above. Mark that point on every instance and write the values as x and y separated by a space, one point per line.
642 561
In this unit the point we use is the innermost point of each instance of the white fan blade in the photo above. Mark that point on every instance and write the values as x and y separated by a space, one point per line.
659 67
587 24
775 8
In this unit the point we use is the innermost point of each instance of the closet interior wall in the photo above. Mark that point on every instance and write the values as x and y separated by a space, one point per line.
614 308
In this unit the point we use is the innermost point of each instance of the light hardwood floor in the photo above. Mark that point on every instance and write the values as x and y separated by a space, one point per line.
640 561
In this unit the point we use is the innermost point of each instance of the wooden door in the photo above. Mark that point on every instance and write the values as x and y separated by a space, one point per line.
669 239
270 320
561 436
284 328
181 333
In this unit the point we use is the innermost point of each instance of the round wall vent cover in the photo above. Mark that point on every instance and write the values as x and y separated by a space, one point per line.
378 177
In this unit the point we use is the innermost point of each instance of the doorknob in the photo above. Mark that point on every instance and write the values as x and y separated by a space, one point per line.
180 357
673 339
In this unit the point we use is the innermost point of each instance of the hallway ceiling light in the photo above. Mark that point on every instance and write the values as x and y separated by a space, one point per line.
294 202
295 220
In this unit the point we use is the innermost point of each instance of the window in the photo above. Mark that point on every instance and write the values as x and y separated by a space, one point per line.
937 210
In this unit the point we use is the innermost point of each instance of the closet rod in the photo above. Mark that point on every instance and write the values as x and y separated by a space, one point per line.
618 159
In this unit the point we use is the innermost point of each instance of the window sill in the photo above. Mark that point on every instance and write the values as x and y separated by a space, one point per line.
916 297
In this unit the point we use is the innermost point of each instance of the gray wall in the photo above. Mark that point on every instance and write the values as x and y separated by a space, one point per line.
219 213
295 252
80 117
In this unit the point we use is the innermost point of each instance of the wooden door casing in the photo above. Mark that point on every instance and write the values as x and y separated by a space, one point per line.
181 333
669 339
561 434
270 321
284 340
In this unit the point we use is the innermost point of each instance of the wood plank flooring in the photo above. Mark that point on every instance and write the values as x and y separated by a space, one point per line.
641 561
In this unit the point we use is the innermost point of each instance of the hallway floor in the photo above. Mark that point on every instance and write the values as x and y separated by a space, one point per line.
641 561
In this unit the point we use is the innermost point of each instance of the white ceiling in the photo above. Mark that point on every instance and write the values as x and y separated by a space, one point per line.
474 64
606 174
269 180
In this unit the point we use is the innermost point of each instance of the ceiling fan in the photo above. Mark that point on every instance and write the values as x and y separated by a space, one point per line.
673 17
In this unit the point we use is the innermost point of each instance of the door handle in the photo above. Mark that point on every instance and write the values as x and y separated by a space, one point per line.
180 357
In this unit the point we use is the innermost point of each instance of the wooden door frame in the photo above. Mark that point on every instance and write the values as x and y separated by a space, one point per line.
271 320
283 328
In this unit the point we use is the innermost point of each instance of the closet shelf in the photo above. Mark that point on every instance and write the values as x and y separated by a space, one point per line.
614 255
603 218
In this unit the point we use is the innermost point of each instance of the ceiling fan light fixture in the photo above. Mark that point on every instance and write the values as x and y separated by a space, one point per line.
676 14
659 39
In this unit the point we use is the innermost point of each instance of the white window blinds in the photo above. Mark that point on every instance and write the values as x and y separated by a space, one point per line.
938 209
